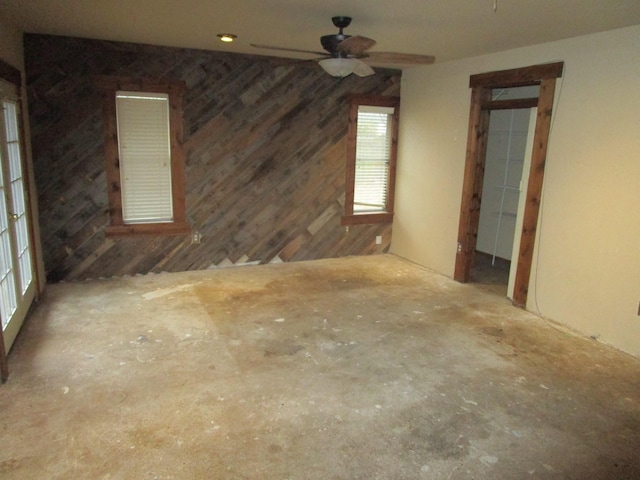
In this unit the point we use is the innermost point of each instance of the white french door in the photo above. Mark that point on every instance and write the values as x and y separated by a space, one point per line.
17 286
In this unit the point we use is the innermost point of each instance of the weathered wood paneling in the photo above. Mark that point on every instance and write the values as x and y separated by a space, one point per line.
265 144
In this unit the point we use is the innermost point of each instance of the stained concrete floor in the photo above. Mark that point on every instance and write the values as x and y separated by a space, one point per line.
354 368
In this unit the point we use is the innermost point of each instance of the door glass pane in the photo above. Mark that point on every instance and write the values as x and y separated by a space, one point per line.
8 301
18 194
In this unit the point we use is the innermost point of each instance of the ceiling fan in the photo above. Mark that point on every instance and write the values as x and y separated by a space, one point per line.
346 54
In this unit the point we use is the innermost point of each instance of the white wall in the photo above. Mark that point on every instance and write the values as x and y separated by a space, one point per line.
587 261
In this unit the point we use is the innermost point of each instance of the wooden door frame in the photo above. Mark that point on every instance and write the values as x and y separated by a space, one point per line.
481 105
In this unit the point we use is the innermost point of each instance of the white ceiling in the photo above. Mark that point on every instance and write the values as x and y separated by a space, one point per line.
448 29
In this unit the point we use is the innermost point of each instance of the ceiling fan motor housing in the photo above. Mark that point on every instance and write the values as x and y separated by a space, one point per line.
330 42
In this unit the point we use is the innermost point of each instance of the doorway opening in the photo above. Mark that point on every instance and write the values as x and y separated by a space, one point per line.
509 145
485 99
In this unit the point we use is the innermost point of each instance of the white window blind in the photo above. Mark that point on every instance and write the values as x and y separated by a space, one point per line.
145 157
373 149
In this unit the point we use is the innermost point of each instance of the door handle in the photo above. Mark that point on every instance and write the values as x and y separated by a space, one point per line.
13 217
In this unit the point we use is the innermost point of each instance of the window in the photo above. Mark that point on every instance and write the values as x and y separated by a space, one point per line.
371 160
144 157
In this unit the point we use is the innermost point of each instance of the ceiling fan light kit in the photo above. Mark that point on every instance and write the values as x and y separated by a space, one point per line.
343 67
345 53
337 67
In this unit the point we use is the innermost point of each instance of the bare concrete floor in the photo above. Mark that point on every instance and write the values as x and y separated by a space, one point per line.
356 368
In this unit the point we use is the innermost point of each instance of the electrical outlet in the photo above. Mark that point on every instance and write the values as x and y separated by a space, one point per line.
196 237
379 240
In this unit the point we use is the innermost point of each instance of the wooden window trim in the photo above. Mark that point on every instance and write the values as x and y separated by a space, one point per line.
175 90
365 218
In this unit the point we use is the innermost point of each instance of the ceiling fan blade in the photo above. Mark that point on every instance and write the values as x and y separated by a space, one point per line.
362 69
400 58
285 49
356 45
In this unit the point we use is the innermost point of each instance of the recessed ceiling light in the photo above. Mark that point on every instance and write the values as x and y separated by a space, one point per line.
227 37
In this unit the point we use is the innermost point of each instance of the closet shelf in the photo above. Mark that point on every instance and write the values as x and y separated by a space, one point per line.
508 188
504 214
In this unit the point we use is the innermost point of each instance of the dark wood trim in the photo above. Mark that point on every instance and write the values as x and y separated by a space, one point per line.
148 229
367 219
349 217
534 192
177 158
517 76
374 100
112 156
482 84
350 177
510 104
393 160
472 184
10 73
109 86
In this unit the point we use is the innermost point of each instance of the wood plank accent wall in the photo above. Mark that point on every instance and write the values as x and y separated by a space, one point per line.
265 143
